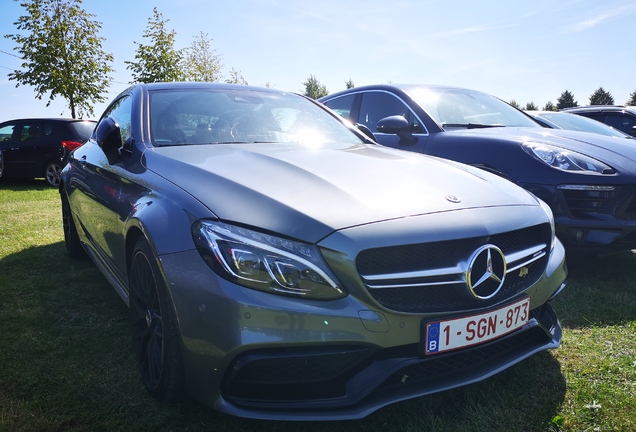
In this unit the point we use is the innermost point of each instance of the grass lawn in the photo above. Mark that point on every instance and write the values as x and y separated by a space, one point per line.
66 362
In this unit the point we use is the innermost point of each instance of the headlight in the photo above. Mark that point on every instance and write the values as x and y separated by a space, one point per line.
566 160
265 262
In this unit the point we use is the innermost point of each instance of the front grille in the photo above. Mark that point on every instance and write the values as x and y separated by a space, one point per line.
582 203
441 266
592 204
630 208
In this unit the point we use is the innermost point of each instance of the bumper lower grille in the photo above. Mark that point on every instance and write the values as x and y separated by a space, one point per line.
305 378
589 203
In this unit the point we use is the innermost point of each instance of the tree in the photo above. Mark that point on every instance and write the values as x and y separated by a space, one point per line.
314 89
601 97
566 100
515 104
350 84
632 98
549 106
62 54
159 61
236 77
530 106
200 62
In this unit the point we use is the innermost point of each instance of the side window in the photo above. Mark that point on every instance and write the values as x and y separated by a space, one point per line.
120 111
9 132
595 116
31 131
342 105
620 122
378 105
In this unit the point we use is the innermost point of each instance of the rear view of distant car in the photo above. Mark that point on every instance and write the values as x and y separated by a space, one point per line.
38 148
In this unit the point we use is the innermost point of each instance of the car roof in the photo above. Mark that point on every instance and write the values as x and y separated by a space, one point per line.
53 119
398 87
600 108
204 85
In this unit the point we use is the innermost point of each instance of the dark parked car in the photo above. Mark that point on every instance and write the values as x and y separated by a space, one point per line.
280 265
588 180
569 121
35 148
622 118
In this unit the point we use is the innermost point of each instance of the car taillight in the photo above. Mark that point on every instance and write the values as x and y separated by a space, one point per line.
71 145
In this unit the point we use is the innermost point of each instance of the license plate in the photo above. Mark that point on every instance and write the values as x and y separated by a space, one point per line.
463 332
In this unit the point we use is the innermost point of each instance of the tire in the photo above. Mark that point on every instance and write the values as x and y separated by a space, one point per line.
155 337
71 238
53 173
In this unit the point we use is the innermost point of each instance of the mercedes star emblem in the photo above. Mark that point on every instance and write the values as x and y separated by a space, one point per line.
486 272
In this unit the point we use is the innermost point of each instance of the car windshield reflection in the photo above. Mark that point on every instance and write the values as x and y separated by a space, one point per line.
466 109
185 117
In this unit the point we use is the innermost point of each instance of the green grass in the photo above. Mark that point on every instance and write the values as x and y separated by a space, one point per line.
66 362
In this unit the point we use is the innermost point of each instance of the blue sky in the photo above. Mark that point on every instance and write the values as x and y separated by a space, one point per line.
521 50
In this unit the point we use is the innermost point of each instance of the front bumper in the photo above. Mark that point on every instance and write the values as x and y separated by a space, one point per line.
258 355
598 219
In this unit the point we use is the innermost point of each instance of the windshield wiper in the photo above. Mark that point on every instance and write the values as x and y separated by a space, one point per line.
471 125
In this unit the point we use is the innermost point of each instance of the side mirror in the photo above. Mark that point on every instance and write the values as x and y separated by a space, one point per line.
108 136
398 125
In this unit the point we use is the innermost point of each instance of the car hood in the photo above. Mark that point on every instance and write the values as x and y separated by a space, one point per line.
620 153
307 193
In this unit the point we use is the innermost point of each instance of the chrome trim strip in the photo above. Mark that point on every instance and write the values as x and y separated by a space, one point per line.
453 275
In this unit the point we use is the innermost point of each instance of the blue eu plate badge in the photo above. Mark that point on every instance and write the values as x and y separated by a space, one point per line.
432 342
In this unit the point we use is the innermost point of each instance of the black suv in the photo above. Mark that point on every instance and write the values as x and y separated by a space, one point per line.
619 117
34 148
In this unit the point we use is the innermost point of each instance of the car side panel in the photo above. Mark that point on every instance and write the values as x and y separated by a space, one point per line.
94 191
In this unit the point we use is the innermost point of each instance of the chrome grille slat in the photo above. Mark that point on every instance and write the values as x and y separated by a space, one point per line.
453 275
429 282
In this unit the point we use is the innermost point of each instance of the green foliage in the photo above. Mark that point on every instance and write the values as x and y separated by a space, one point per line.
566 100
62 54
515 104
601 97
549 106
236 77
530 106
349 84
632 98
314 89
158 61
200 62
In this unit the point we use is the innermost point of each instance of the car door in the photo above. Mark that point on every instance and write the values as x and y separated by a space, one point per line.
9 139
97 193
20 142
621 122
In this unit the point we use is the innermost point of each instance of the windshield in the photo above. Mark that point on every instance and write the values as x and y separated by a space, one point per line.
580 123
205 116
83 129
454 108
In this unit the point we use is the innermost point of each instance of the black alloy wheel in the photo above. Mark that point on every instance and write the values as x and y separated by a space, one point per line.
53 173
155 338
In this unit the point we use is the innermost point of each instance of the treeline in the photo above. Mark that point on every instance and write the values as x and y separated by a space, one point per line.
566 100
62 56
